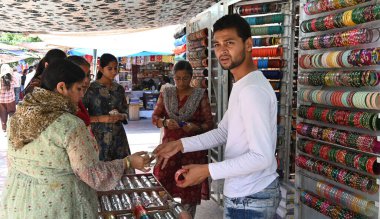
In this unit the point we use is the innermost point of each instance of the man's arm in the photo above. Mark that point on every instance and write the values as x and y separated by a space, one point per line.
258 126
207 140
204 141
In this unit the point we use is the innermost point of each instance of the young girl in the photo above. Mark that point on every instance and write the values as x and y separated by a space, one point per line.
107 106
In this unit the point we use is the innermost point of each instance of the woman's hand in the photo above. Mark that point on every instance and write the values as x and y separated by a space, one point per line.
140 160
191 128
172 124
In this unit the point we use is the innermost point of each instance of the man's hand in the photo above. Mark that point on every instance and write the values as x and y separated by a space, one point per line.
164 151
196 174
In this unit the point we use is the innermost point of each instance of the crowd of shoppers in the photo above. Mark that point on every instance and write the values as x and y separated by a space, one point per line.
73 143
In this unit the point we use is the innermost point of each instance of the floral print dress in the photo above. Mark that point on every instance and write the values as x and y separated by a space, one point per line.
56 175
100 100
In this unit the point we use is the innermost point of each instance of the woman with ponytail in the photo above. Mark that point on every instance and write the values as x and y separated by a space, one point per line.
107 106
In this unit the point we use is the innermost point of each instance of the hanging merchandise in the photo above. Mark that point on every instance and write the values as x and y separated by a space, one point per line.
180 41
258 9
338 110
320 6
358 78
198 54
266 41
367 120
179 49
272 40
341 39
181 31
347 18
179 57
326 207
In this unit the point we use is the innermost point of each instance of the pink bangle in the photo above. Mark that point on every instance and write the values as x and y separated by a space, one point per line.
179 173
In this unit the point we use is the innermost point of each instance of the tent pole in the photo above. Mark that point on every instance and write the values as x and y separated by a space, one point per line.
94 60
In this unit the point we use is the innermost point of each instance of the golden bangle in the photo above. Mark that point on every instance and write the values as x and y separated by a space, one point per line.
127 162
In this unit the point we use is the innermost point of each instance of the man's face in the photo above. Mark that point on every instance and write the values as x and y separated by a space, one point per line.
229 48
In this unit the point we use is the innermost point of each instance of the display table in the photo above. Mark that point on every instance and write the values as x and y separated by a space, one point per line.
137 196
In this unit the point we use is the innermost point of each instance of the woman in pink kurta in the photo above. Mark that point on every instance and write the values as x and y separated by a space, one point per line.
183 111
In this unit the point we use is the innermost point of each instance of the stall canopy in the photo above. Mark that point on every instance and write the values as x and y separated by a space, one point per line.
149 53
99 52
9 53
100 15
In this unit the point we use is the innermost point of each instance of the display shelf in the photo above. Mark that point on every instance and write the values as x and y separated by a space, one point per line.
214 81
306 180
278 14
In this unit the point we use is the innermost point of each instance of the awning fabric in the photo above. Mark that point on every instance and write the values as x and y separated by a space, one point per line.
96 15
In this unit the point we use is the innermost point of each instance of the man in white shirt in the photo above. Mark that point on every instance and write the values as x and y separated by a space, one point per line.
248 128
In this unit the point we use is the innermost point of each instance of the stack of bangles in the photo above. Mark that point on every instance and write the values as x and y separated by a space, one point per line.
267 30
267 52
341 39
258 9
268 63
354 140
344 157
368 78
199 63
320 6
349 99
360 119
344 198
200 72
198 35
191 45
270 19
352 179
343 19
198 54
326 207
266 41
272 74
341 59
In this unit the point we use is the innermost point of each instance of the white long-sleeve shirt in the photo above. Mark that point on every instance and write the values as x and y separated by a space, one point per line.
249 129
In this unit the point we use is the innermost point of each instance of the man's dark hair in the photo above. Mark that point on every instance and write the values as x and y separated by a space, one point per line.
234 21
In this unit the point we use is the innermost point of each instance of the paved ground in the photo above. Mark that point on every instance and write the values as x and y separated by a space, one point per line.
142 136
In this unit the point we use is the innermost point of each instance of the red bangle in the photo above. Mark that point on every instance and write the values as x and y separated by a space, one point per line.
179 173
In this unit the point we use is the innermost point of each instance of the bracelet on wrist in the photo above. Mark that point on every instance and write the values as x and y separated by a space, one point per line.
127 162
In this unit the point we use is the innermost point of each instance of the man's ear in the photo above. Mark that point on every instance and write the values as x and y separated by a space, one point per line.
61 87
248 44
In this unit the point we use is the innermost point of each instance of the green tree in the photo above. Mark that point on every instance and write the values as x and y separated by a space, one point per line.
16 38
